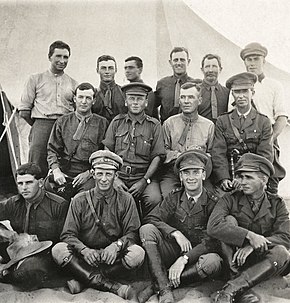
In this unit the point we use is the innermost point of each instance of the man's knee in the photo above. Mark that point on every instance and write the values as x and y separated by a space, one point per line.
280 256
209 265
60 253
134 257
149 233
232 220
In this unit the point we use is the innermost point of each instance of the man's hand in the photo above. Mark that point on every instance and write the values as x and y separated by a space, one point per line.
118 183
182 241
241 255
228 185
109 254
59 176
81 178
258 242
137 189
175 271
91 256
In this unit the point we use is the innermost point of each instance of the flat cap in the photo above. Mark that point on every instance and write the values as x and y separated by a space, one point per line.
194 159
254 163
136 88
242 81
253 48
105 159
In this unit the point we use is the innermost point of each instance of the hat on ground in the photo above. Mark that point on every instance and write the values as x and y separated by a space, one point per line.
136 88
253 48
24 246
105 159
242 81
194 159
254 163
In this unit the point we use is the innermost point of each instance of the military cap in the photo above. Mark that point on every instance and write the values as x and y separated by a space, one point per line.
105 159
194 158
253 48
254 163
243 80
136 88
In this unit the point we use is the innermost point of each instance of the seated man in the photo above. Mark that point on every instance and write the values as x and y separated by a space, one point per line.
239 131
101 231
74 137
35 212
176 238
185 131
255 227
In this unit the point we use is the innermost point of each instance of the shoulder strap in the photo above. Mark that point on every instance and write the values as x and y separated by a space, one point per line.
238 136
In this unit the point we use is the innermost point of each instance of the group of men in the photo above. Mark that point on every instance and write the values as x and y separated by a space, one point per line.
150 171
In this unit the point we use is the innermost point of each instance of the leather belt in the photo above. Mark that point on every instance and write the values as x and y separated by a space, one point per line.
129 170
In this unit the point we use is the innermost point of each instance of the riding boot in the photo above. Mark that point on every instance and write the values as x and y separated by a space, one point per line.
228 253
234 289
92 277
158 273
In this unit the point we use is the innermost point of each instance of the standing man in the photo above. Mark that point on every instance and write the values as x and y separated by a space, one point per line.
214 96
185 131
239 131
168 88
74 137
269 100
176 237
101 231
35 212
138 139
110 101
255 225
46 97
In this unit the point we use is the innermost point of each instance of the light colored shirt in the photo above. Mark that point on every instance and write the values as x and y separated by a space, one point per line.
200 135
48 95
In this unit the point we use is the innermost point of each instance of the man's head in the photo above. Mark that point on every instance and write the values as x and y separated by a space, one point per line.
84 97
179 60
58 55
190 96
253 172
133 68
211 67
106 68
242 86
136 97
254 55
29 181
105 164
193 167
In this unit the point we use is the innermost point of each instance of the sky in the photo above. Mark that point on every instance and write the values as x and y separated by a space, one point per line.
245 21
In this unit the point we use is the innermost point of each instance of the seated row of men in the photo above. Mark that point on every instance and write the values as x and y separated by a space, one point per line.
243 238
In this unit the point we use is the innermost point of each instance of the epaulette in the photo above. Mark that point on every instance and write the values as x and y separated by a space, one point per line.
14 198
176 190
226 113
212 196
272 196
120 117
54 197
258 113
151 119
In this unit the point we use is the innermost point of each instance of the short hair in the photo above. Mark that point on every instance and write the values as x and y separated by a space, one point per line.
85 86
57 44
195 84
179 49
29 169
212 56
138 61
105 58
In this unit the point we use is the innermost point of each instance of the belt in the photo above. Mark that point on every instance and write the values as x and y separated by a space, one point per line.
129 170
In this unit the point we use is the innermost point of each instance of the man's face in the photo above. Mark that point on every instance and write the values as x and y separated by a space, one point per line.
251 182
243 98
192 179
107 70
179 63
136 103
211 70
104 178
59 60
255 64
189 100
28 186
84 100
132 71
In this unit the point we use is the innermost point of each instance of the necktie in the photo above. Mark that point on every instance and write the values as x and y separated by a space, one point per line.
183 137
26 224
255 207
132 133
242 120
80 129
213 101
108 97
177 93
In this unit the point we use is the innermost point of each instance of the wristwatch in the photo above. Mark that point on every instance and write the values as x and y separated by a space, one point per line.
147 180
185 257
119 244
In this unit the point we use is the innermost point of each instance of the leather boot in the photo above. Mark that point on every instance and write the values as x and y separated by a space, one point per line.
158 273
117 270
145 294
248 278
227 254
190 275
92 277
